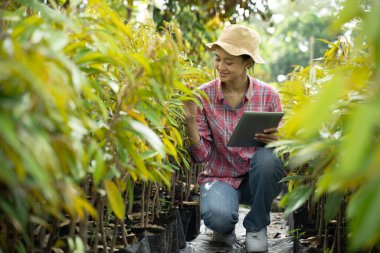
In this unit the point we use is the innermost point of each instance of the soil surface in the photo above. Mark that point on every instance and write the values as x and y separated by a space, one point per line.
279 240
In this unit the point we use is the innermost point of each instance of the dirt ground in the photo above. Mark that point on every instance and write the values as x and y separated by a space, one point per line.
279 240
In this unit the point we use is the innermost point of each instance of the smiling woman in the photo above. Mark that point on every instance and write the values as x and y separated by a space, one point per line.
235 174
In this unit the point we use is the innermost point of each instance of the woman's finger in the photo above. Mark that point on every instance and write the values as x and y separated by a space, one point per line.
271 130
266 138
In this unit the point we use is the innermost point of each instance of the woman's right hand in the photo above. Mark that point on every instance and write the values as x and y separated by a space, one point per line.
190 108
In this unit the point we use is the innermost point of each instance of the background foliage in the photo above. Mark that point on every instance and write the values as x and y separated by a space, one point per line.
332 127
296 42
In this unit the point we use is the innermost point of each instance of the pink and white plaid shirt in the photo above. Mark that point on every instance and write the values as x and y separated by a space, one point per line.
216 122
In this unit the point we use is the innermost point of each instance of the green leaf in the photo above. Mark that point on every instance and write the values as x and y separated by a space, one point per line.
293 177
115 199
151 113
89 57
130 189
148 134
296 198
47 12
16 214
149 154
306 117
332 205
363 212
358 141
100 168
167 167
137 159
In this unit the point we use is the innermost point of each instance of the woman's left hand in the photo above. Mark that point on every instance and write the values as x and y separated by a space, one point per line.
268 135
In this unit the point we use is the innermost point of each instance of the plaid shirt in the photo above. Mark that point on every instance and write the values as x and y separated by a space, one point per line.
216 122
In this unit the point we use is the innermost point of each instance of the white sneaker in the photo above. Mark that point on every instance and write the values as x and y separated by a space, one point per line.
227 239
257 241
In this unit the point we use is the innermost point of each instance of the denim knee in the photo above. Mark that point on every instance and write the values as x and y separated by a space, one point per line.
266 163
219 219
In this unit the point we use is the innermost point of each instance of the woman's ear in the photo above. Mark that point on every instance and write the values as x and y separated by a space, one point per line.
249 64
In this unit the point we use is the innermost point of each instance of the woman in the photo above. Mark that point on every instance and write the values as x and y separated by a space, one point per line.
234 175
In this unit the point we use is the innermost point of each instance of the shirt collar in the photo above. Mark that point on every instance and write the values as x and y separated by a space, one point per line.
248 94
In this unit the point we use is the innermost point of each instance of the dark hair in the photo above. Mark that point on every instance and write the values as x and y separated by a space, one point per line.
246 58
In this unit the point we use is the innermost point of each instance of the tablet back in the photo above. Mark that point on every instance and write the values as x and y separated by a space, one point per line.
251 123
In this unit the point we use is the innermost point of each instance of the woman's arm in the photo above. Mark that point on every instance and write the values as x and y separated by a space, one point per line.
198 132
190 109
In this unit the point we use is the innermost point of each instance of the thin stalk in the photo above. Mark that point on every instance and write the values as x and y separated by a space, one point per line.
31 236
101 224
13 233
41 236
180 178
325 243
154 203
123 234
53 232
333 246
158 204
172 193
115 234
130 203
4 233
196 172
339 231
93 201
296 248
72 227
83 225
311 209
317 217
142 221
100 213
320 221
148 204
188 184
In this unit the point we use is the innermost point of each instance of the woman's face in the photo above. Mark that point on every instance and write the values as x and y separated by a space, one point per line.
229 67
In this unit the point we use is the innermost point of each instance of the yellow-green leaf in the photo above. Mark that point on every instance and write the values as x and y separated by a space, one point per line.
115 199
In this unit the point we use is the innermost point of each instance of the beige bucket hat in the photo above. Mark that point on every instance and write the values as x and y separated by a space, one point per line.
238 40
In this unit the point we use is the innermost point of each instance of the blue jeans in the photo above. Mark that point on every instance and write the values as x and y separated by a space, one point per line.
219 202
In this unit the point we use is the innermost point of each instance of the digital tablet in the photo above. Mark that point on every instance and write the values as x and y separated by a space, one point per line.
251 123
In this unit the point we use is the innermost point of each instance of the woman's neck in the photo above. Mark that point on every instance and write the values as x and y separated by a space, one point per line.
236 86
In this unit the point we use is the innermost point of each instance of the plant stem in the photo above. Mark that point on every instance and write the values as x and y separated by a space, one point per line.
320 221
101 224
148 203
124 236
142 222
116 232
31 237
339 232
155 203
52 236
84 223
188 184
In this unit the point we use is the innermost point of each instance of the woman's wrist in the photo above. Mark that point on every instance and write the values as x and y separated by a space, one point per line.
192 130
191 121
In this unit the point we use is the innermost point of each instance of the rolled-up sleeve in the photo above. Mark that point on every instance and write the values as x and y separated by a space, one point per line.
276 103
